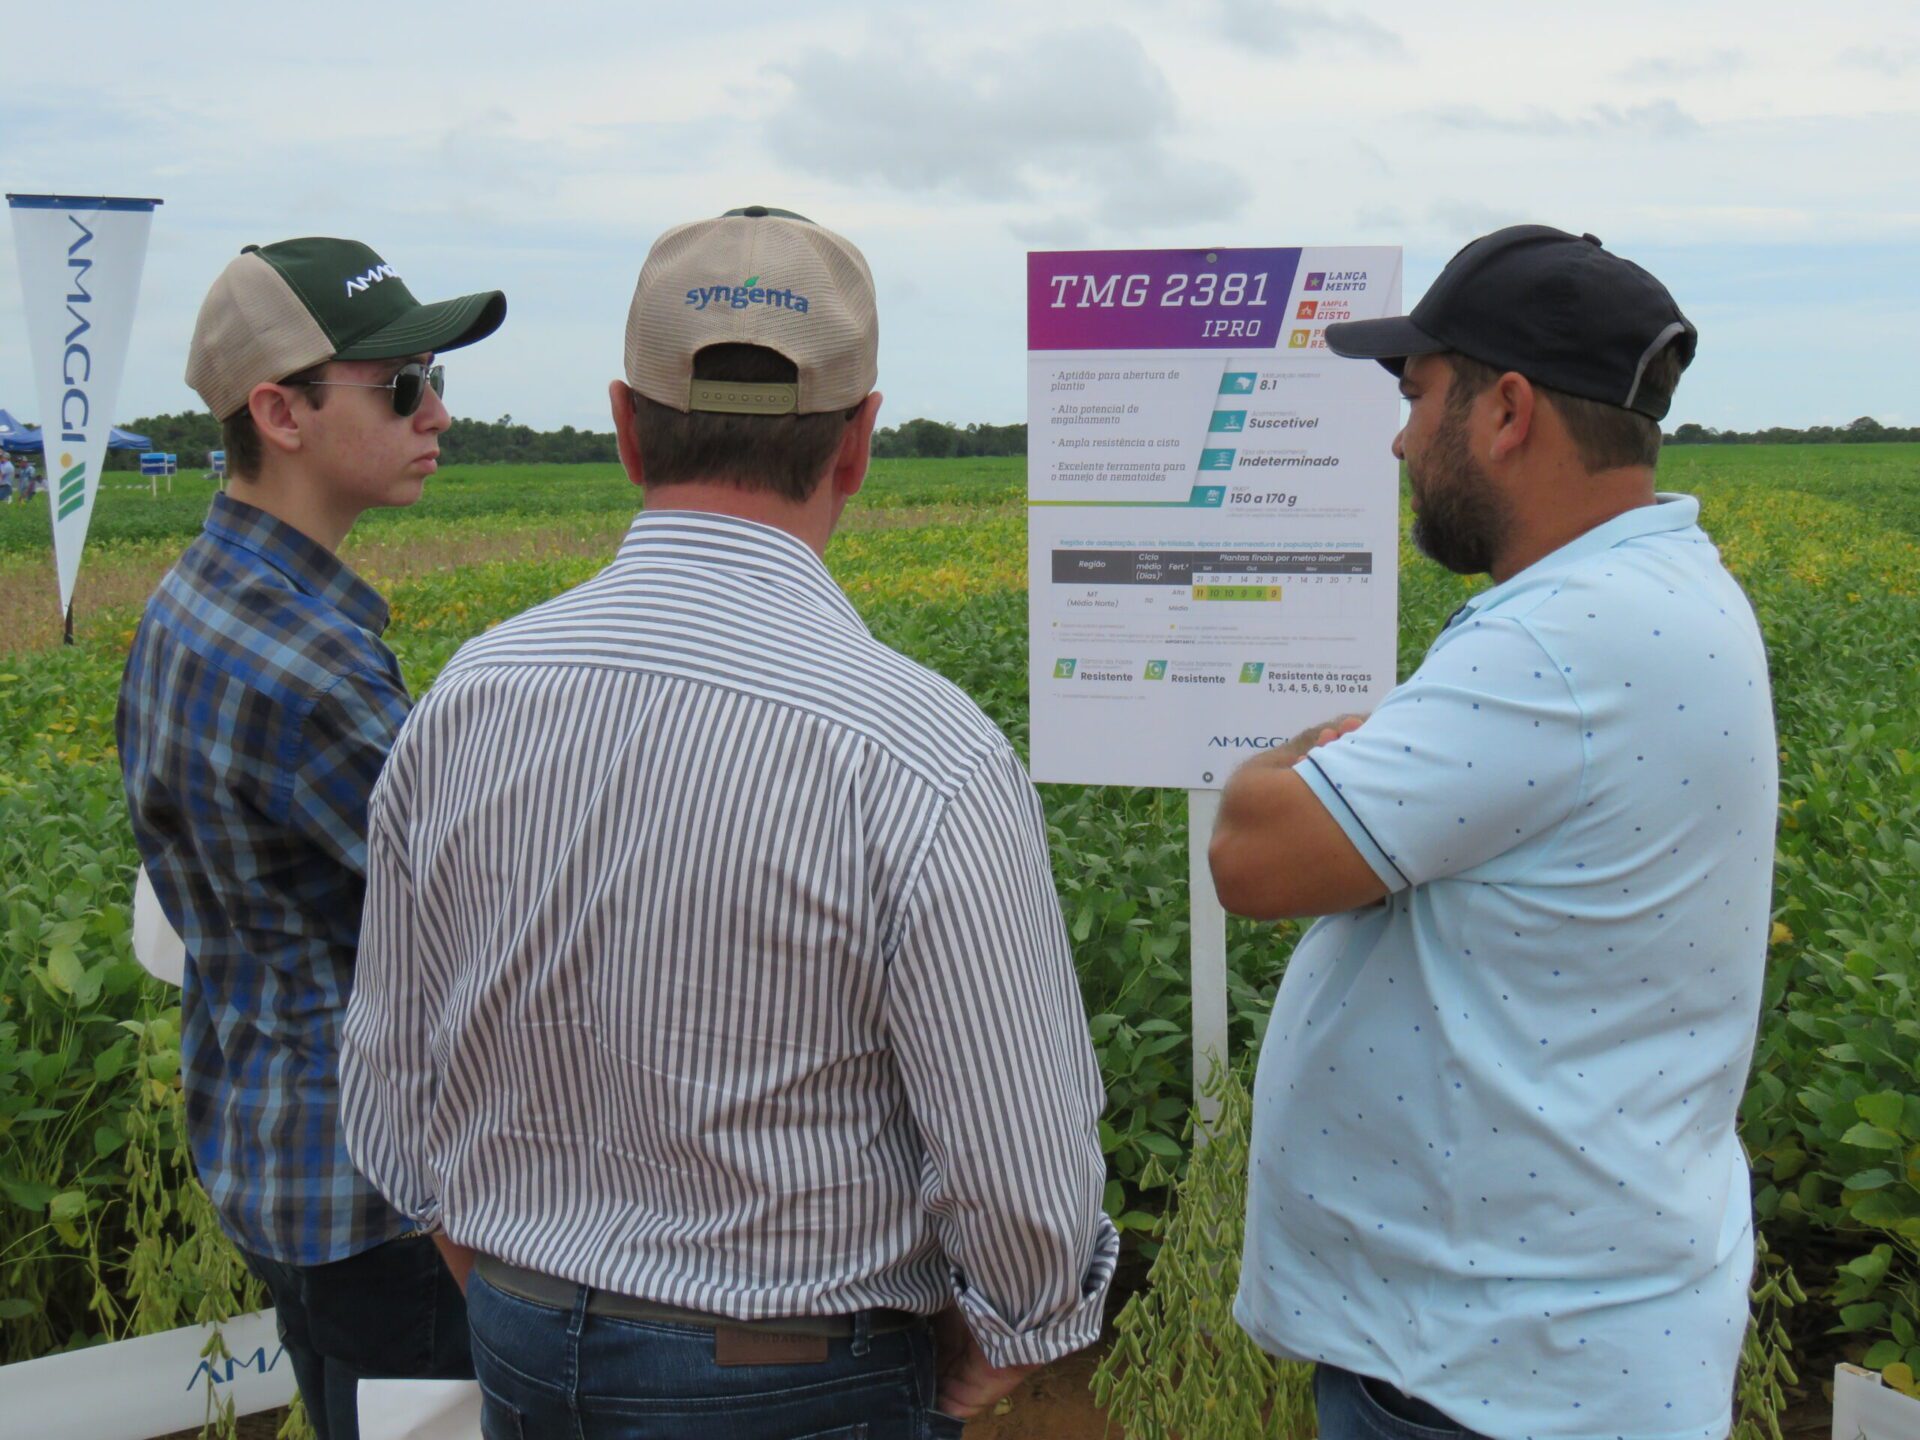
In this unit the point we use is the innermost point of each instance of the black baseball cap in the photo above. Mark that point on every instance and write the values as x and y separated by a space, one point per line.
1560 309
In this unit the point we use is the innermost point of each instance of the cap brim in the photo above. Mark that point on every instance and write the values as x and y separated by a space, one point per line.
443 325
1389 340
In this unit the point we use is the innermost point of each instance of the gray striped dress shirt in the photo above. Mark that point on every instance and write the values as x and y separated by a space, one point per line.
711 955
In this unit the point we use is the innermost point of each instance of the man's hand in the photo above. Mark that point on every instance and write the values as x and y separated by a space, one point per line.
1285 757
1314 736
967 1383
1275 852
458 1259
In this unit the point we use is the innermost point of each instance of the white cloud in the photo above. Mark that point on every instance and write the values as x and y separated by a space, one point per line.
1281 30
1894 58
1669 69
1081 116
1660 119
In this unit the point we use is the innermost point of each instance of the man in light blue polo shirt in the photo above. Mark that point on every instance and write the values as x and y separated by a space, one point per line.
1495 1186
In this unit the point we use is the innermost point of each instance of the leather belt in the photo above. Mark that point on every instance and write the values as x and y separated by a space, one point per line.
558 1294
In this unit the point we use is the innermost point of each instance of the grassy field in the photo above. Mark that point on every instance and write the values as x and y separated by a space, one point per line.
102 1234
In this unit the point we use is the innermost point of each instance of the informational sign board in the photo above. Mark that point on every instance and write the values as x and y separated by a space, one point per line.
1213 522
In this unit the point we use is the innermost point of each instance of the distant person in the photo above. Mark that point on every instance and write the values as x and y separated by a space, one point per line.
714 988
1496 1188
258 705
31 486
6 477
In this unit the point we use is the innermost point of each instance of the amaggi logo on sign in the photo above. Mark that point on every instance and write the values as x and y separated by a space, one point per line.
213 1369
70 492
741 296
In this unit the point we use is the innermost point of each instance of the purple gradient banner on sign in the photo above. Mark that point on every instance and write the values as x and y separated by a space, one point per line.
1158 299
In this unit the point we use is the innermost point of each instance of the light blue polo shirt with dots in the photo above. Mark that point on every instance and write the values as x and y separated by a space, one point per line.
1494 1160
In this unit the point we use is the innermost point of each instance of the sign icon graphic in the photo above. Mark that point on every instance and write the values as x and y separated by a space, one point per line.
1316 280
1251 672
1156 670
1237 382
1307 309
1298 339
1063 669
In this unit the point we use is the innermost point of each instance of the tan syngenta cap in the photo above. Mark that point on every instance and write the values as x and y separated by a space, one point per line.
279 309
754 277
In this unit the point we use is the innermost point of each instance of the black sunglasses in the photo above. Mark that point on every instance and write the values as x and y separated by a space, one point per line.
409 385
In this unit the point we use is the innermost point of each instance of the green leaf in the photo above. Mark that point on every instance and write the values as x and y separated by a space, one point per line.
1881 1355
1871 1267
64 969
1869 1315
1161 1145
1883 1209
1870 1137
1884 1110
29 1195
1868 1179
18 1307
106 1140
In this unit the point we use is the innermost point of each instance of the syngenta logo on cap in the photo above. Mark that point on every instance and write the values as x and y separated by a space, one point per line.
741 296
369 278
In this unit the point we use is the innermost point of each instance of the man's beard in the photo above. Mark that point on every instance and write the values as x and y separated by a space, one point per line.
1462 521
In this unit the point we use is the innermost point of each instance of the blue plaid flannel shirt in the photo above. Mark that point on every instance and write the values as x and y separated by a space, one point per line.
258 705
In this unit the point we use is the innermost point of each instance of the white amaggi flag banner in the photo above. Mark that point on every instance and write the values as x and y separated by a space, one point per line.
80 262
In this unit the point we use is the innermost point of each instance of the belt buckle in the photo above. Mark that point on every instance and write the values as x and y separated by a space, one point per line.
738 1345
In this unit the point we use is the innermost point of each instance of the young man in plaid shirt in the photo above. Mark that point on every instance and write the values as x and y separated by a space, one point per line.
258 706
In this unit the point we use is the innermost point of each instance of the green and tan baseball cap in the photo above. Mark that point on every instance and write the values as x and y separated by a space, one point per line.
755 276
278 309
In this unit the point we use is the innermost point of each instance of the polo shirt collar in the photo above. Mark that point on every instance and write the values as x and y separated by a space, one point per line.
1668 512
309 565
704 539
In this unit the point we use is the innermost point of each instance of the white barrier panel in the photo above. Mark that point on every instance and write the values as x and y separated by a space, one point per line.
155 945
136 1389
419 1409
1864 1409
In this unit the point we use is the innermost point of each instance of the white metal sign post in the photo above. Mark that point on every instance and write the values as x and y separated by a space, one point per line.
1213 526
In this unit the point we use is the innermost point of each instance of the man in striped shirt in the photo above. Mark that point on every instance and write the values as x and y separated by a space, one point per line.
713 987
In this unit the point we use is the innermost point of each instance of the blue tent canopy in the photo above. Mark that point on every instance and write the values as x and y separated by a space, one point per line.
19 437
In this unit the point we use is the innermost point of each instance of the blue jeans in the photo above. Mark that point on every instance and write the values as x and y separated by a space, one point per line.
552 1374
389 1313
1352 1407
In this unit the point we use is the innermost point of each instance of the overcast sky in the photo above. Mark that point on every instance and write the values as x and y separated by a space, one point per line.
1761 157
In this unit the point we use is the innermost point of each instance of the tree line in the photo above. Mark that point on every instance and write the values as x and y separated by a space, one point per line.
193 434
1864 431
